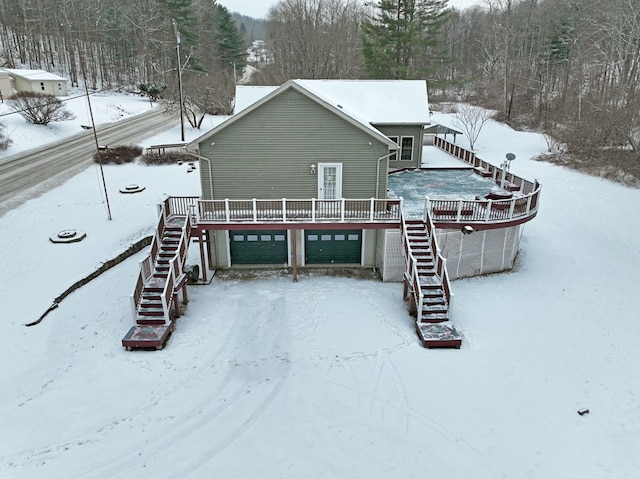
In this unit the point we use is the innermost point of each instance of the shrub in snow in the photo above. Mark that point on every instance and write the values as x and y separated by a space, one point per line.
118 154
40 108
152 90
5 141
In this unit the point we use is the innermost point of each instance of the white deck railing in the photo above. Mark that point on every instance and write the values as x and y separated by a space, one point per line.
286 210
521 207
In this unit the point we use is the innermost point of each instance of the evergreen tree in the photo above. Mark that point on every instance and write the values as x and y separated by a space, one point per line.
401 40
231 49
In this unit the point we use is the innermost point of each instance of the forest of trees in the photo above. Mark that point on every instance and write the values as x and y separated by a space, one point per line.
569 68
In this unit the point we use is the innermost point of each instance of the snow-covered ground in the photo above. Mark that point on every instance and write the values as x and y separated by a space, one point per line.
324 377
106 106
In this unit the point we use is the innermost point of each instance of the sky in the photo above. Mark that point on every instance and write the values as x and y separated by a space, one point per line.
260 8
324 377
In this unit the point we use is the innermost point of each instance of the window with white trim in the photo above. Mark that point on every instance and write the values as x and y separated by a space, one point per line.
406 148
394 156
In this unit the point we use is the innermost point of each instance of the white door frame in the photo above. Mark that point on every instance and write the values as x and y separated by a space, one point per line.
321 182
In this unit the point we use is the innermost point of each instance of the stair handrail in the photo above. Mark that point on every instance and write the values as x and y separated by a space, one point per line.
439 259
148 263
176 268
412 270
166 297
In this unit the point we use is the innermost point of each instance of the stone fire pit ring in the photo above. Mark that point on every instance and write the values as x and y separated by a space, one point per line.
68 236
133 188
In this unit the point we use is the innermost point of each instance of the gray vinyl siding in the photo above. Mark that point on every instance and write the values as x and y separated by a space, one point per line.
268 153
399 131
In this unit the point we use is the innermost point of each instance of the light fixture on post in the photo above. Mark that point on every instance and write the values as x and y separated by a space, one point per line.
177 32
506 164
313 169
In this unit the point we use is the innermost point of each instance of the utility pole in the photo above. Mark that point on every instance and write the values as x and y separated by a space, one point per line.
93 127
175 29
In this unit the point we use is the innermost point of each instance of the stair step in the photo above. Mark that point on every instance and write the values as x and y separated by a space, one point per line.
434 300
150 310
153 304
421 243
433 293
435 308
142 320
428 317
150 295
430 282
428 265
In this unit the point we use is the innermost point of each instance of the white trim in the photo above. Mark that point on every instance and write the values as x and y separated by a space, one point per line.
303 240
289 249
321 192
228 243
362 248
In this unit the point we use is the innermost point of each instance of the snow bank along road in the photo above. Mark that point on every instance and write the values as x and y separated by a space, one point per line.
29 169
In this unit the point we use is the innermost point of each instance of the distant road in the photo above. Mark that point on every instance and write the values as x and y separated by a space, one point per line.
21 172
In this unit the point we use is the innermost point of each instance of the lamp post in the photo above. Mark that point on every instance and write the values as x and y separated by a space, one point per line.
175 29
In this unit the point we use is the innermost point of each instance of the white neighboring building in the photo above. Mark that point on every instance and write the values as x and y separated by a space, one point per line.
5 85
36 81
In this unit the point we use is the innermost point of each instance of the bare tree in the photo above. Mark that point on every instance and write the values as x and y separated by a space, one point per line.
471 119
204 95
40 108
315 39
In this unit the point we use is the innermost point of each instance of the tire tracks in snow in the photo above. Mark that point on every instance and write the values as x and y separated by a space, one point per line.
216 404
371 395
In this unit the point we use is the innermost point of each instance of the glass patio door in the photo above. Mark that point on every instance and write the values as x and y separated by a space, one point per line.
329 181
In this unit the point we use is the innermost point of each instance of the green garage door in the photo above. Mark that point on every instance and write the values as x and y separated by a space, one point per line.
333 246
258 247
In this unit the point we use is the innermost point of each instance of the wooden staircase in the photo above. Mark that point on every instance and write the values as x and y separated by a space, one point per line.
426 285
155 302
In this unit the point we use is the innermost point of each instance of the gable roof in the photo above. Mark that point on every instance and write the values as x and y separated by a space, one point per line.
360 102
36 75
384 102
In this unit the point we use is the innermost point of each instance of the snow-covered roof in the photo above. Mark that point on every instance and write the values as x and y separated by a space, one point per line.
384 102
248 95
38 75
338 100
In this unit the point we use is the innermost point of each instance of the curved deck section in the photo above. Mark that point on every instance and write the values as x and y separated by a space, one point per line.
485 213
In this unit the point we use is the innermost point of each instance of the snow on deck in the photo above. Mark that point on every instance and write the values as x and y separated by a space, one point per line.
434 157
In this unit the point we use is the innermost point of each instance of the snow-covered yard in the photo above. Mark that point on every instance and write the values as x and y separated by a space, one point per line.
324 377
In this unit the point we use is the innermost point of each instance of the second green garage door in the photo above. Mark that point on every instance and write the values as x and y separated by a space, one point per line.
258 247
333 246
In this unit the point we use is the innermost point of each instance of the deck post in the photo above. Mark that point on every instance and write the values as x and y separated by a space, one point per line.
313 210
227 210
371 209
284 210
342 207
203 261
426 209
294 255
255 210
185 296
176 306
